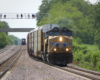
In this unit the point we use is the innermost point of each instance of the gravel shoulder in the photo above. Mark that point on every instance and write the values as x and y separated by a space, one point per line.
27 68
8 53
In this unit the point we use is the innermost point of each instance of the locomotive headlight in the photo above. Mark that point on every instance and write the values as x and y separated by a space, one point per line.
67 49
55 49
60 39
23 40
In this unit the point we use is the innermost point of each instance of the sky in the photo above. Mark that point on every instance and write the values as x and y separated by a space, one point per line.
21 6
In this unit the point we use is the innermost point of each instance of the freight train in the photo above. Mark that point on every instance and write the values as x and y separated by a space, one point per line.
51 43
23 41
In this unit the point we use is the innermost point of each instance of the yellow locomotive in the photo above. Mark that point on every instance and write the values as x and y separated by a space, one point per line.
51 43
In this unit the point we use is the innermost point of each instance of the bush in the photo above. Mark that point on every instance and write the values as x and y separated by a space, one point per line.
95 58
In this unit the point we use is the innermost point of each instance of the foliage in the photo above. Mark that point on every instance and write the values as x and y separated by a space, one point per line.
3 39
96 58
74 14
1 25
5 25
10 41
14 39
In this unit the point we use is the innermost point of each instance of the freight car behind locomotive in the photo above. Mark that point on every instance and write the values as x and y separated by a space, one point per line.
51 43
23 41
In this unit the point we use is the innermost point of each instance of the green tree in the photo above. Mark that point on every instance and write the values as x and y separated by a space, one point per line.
97 37
96 23
16 42
10 41
14 39
3 40
63 22
1 26
5 25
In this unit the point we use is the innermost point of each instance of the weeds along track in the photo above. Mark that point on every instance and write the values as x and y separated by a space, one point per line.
76 70
5 66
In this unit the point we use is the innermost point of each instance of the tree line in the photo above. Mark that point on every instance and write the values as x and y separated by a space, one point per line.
80 16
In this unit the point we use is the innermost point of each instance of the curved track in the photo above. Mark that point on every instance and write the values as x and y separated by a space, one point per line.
5 65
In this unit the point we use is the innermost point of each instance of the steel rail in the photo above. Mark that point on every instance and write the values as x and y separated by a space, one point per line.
2 74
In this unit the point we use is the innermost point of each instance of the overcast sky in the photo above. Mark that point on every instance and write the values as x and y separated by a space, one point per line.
21 6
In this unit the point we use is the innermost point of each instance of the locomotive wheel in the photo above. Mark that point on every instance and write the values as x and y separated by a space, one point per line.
47 57
44 58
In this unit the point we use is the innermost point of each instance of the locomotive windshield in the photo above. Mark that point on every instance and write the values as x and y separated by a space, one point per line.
66 33
52 33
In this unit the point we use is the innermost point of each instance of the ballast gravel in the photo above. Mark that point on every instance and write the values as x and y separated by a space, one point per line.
27 68
8 53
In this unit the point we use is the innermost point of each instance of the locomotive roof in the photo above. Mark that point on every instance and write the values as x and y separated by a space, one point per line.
45 27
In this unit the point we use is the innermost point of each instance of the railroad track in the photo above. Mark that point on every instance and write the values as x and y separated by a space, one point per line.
5 65
5 49
93 75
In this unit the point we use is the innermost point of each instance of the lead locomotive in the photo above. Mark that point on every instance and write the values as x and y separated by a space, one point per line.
51 43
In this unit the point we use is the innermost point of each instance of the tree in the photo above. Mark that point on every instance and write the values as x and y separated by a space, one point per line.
10 41
97 37
5 25
63 22
1 26
16 42
14 39
3 39
97 15
96 23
